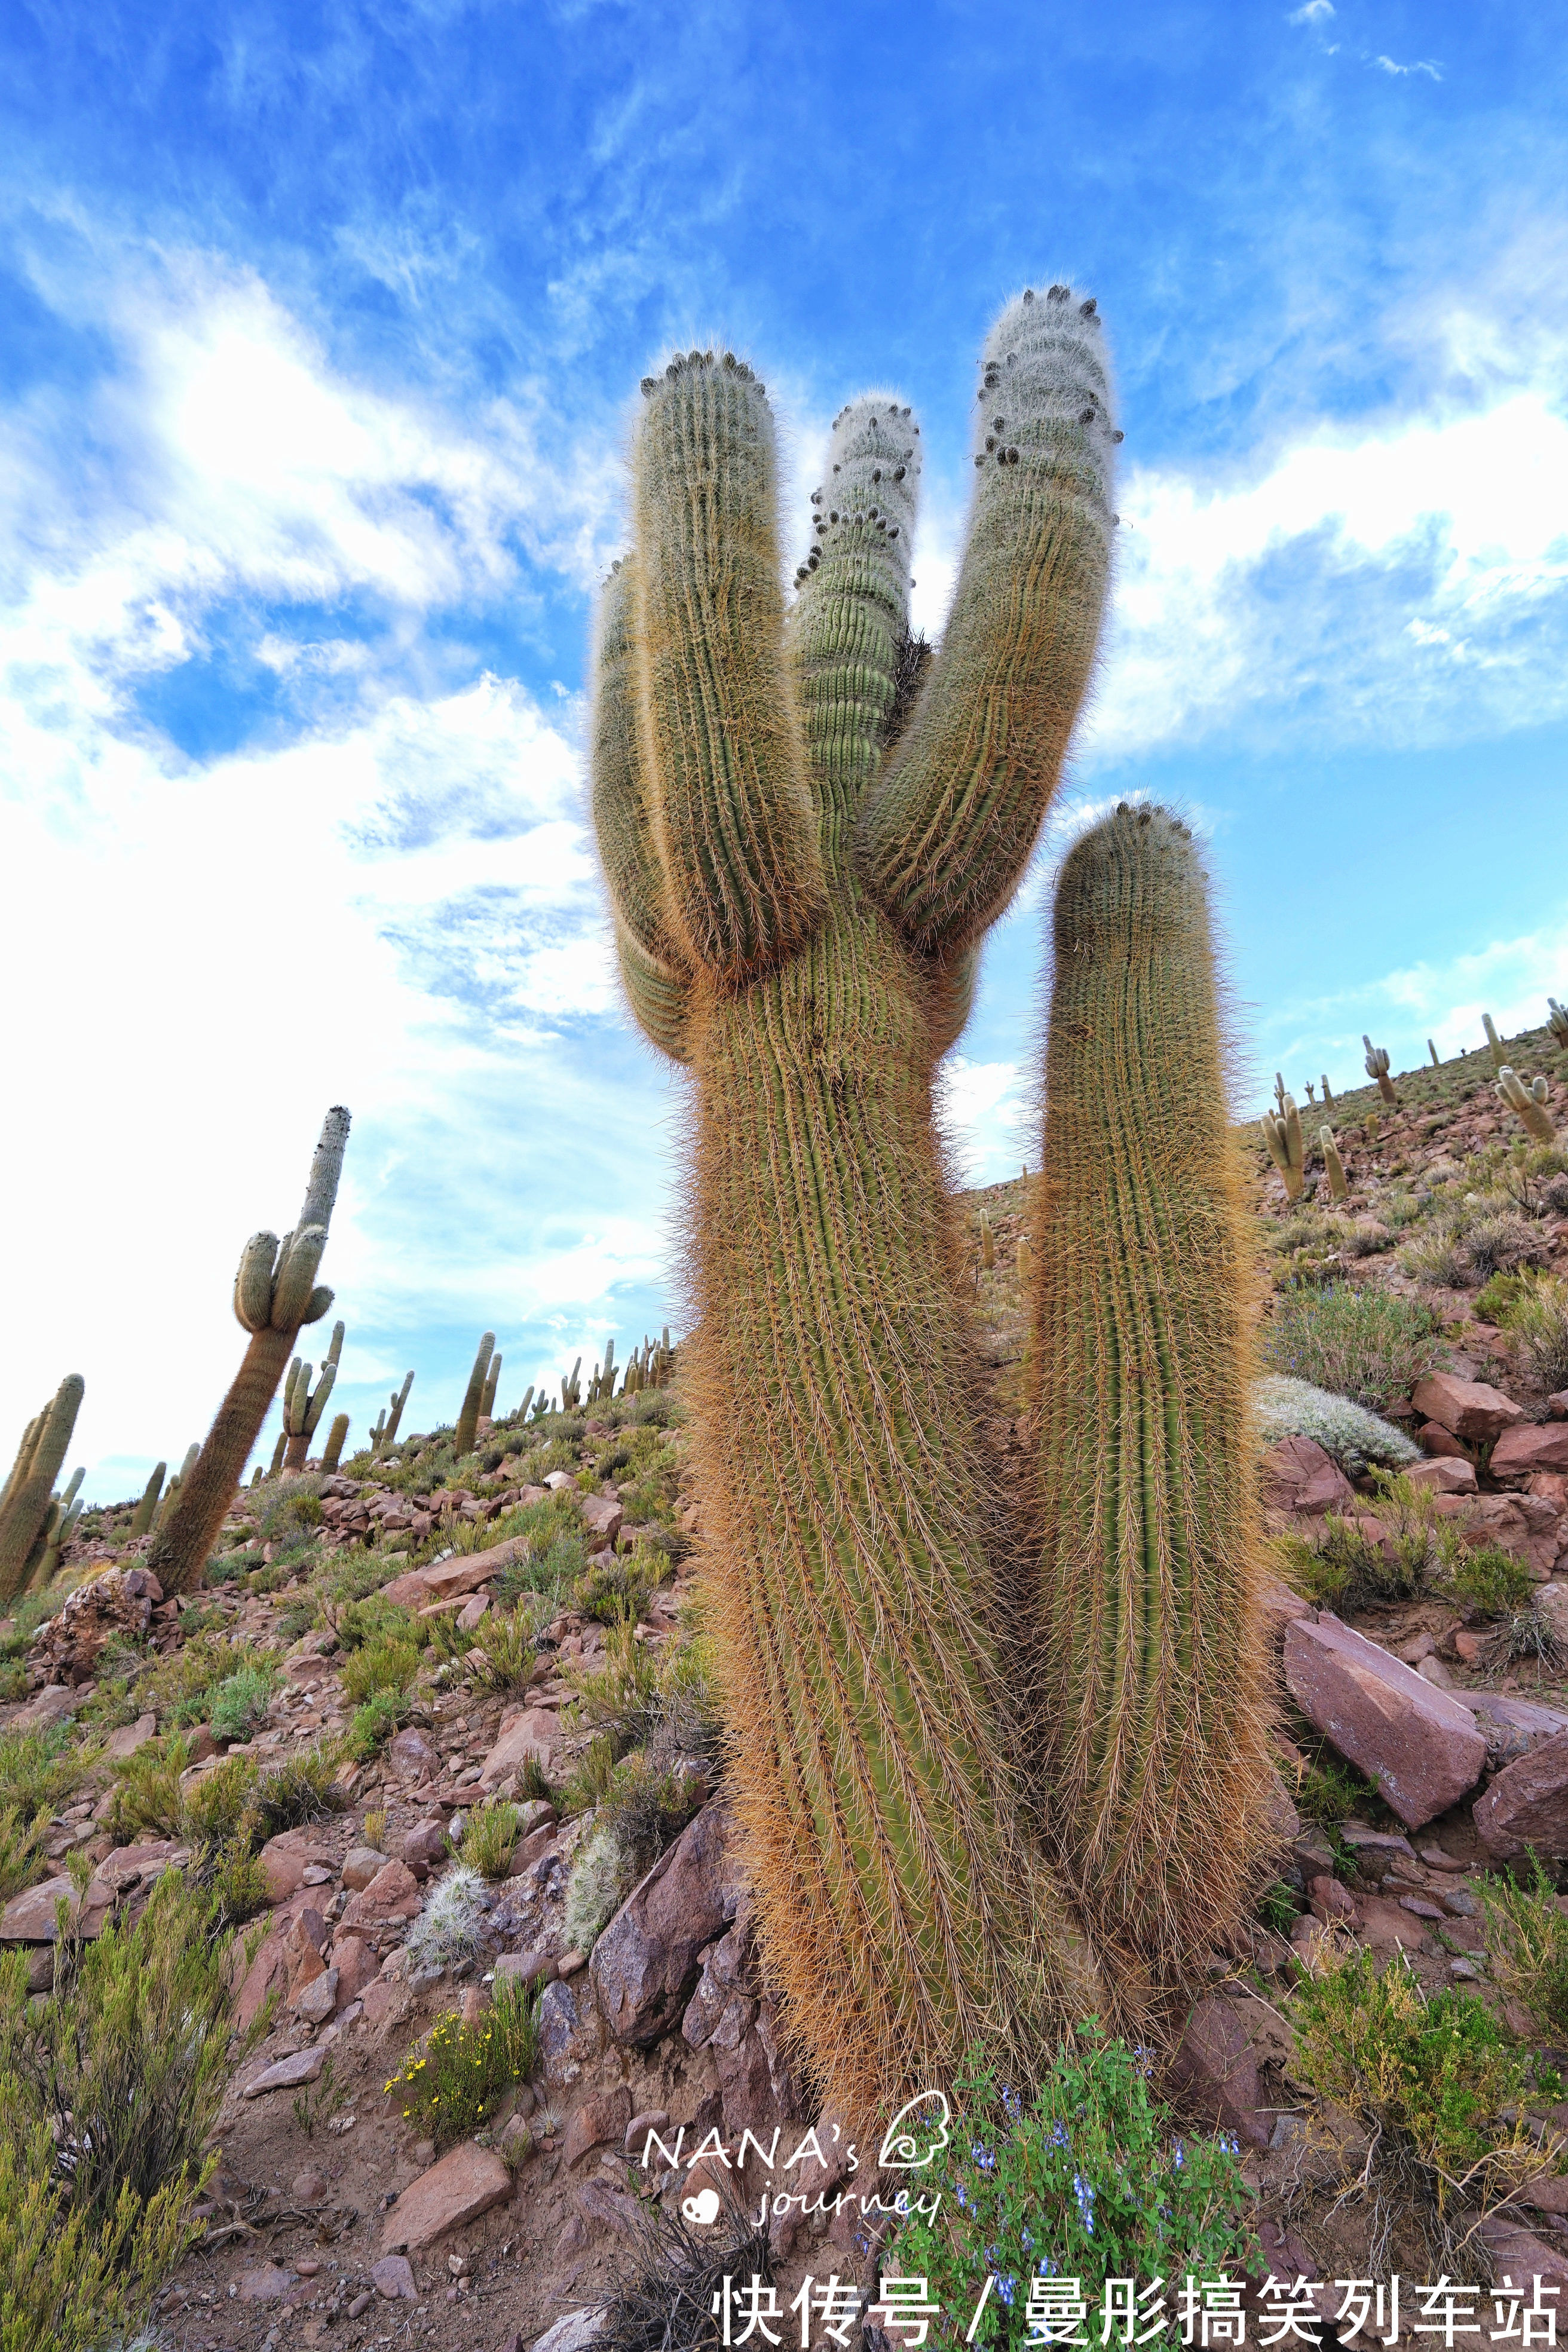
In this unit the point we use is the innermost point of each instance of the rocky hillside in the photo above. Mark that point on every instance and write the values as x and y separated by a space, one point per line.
438 1742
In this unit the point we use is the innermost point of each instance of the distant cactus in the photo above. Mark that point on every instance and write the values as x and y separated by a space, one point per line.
257 1475
1529 1101
1495 1042
1311 1094
1334 1164
275 1294
1329 1102
29 1490
301 1408
521 1413
1432 1049
492 1382
1557 1021
1282 1132
335 1436
141 1518
603 1384
1370 1126
58 1529
571 1389
278 1453
473 1396
1024 1262
385 1430
1377 1067
988 1241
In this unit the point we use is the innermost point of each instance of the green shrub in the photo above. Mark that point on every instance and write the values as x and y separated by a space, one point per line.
147 1799
510 1651
21 1851
42 1770
239 1704
1497 1296
1342 1568
1328 1792
591 1777
450 2083
1434 2075
621 1587
1088 2179
126 2066
622 1695
387 1664
489 1839
1490 1580
1367 1345
74 2283
287 1796
1526 1938
1499 1244
1539 1321
645 1809
215 1804
372 1725
291 1510
1437 1258
372 1619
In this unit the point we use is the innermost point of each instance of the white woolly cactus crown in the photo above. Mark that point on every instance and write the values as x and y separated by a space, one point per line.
1045 385
872 489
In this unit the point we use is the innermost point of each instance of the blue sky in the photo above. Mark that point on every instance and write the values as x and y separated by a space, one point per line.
319 333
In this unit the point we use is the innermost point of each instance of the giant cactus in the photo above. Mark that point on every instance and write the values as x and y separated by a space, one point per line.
800 874
1153 1753
302 1405
29 1490
275 1294
1531 1101
1377 1067
473 1396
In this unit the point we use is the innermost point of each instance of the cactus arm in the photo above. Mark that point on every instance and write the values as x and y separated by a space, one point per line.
848 631
253 1283
318 1398
326 1172
27 1505
1337 1185
335 1351
618 799
1529 1107
335 1436
492 1382
1495 1043
733 820
1151 1559
660 1000
397 1402
467 1418
141 1518
945 835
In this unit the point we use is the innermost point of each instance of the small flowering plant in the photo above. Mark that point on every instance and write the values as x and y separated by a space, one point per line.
449 2084
1086 2178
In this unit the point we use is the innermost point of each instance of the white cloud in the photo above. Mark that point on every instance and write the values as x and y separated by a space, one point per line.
1315 12
985 1112
1421 65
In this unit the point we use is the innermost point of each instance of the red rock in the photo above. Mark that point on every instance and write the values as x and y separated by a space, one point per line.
466 2183
426 1847
29 1917
1527 1805
286 1858
1532 1446
302 1961
360 1866
393 2277
1466 1408
523 1967
645 1963
473 1610
530 1734
269 2285
410 1755
392 1895
1432 1438
1215 2070
1446 1475
118 1603
1523 2258
1296 1476
603 1516
454 1576
124 1743
287 2074
1387 1928
1469 1647
1523 1524
601 2121
1328 1900
1557 1404
356 1965
1421 1748
529 1850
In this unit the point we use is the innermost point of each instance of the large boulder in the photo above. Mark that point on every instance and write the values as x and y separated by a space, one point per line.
1421 1748
1296 1476
1466 1408
644 1965
1527 1805
467 2182
118 1603
527 1734
1531 1445
1526 1525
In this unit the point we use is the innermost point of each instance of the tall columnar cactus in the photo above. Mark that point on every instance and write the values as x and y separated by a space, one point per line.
808 866
1530 1101
275 1294
1337 1185
492 1382
521 1413
1329 1102
1499 1052
473 1395
1152 1558
65 1510
30 1487
1282 1132
571 1388
335 1436
1377 1067
1432 1049
141 1518
1557 1022
385 1431
302 1405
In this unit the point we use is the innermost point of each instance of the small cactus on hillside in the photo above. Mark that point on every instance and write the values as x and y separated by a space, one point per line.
1377 1067
473 1395
1329 1102
1024 1262
1282 1132
1557 1022
302 1407
141 1518
335 1436
521 1413
492 1382
29 1490
571 1388
275 1294
1338 1186
1495 1043
386 1429
1530 1102
278 1453
1432 1049
1311 1094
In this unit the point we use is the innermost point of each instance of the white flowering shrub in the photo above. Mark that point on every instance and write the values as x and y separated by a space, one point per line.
1357 1440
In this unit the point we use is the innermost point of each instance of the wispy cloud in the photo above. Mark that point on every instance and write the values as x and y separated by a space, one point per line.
1421 65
